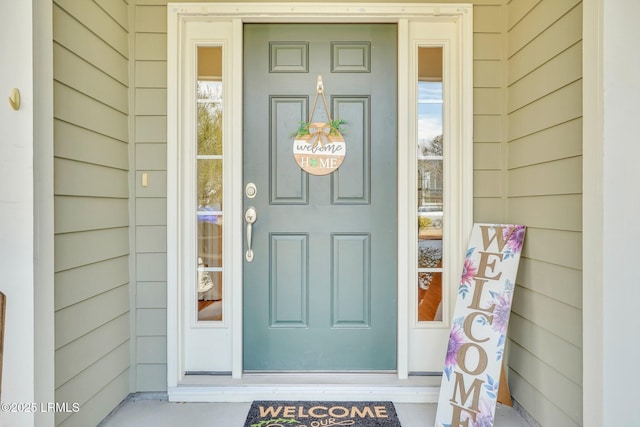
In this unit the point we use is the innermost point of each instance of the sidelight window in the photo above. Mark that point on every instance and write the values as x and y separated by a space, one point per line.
430 185
208 203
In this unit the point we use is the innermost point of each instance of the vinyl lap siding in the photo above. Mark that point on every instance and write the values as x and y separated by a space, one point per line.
91 192
150 202
544 178
489 122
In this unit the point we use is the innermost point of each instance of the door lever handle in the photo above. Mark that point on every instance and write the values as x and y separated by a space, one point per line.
250 217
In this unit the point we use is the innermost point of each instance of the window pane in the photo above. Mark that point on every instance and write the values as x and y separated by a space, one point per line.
209 118
430 91
429 125
209 295
209 239
430 184
429 296
209 184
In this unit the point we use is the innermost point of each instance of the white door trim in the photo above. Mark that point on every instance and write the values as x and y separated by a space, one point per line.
238 14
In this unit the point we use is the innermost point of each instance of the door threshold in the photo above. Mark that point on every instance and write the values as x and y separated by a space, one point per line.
307 386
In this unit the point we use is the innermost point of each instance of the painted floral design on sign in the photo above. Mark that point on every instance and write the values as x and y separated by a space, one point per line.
473 362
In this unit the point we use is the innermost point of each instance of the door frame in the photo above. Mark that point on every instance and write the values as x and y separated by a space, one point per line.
236 14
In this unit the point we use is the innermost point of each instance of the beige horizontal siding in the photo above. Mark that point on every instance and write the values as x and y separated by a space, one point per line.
563 105
151 102
87 349
487 183
151 157
151 74
72 71
151 295
487 101
487 46
79 38
488 18
489 210
487 156
151 238
94 312
85 145
118 10
488 128
554 143
152 350
544 190
550 178
151 376
554 247
87 247
547 413
548 212
560 71
151 47
151 267
555 281
91 218
84 387
152 322
78 109
151 129
94 18
151 211
562 34
97 180
548 347
489 77
564 393
89 213
518 9
538 20
81 283
151 19
487 73
561 319
102 403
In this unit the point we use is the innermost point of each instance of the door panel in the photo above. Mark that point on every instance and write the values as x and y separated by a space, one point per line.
321 292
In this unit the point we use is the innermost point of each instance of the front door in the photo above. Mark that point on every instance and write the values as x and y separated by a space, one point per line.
320 293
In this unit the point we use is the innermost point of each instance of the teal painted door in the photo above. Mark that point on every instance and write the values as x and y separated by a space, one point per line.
320 293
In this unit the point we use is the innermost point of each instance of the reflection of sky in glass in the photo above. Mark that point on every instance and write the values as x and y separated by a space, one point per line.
429 91
429 121
429 110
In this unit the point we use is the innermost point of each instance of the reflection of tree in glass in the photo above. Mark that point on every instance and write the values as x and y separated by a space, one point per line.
430 170
209 143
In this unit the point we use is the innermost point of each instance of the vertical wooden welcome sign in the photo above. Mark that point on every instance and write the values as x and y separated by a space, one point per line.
476 344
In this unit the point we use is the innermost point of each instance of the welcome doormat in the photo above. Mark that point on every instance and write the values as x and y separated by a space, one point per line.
321 414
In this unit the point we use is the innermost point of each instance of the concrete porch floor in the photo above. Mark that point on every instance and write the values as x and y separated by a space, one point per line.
161 413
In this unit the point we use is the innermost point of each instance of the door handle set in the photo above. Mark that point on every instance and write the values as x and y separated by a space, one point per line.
250 217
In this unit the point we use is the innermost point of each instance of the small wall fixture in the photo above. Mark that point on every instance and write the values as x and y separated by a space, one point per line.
14 99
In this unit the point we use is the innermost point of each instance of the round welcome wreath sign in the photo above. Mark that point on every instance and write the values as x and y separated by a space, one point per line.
319 148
